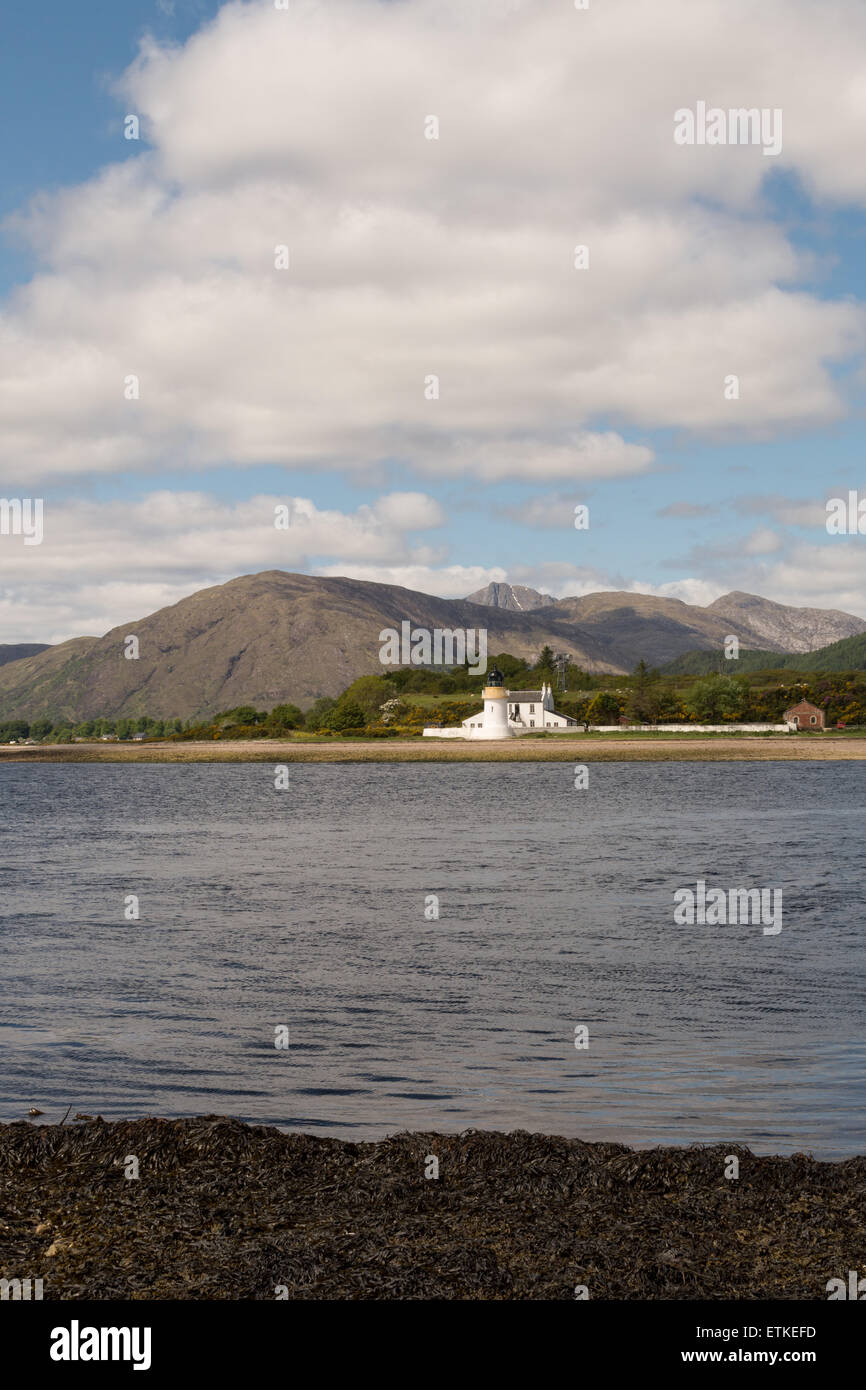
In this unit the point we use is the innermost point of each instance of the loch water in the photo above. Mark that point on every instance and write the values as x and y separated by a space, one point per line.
311 908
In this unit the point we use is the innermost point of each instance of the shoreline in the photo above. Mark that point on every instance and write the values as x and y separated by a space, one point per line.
225 1210
592 747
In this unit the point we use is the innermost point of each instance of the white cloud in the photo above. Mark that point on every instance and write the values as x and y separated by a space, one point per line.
448 581
583 454
408 511
563 579
832 575
691 590
789 511
105 563
412 257
548 511
762 541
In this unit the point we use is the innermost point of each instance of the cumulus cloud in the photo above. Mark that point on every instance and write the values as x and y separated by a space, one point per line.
789 511
762 541
830 575
104 563
564 579
408 511
690 590
431 315
445 581
451 258
819 576
548 511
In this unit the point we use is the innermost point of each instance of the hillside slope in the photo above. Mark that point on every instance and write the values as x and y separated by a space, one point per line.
260 639
269 638
847 655
17 651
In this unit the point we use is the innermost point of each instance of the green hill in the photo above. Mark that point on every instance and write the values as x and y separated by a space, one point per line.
847 655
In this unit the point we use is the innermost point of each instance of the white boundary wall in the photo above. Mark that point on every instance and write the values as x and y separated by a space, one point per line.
691 728
459 732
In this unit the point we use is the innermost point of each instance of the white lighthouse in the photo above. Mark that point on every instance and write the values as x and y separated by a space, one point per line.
507 713
494 723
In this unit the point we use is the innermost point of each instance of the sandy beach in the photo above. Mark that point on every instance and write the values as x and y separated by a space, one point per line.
598 748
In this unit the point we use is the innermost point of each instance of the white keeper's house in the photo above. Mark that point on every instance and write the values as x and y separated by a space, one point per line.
505 713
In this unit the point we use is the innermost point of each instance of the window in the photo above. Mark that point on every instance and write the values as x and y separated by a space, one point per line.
532 709
813 720
532 723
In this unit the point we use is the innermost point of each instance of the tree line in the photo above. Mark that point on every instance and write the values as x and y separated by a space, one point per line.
405 699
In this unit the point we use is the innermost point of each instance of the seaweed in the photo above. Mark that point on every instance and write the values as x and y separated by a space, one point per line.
225 1210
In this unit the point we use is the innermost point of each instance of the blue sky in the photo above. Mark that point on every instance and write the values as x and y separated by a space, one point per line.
421 257
57 64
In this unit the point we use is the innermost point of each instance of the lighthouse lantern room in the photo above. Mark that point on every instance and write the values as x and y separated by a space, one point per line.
495 697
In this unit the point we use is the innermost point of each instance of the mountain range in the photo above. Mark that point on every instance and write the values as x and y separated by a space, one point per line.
780 627
14 651
274 637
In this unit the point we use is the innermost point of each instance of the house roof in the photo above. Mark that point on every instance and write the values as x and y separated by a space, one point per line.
524 695
804 707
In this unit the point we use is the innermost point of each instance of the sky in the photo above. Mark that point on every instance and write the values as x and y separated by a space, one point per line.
337 272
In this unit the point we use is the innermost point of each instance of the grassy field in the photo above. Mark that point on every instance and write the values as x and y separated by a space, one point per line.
563 748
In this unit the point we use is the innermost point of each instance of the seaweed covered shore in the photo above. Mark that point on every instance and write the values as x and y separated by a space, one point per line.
224 1210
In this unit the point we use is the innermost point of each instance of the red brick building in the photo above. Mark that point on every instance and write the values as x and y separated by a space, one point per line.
804 716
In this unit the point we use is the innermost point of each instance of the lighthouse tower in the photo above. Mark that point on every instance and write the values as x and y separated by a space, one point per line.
495 699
